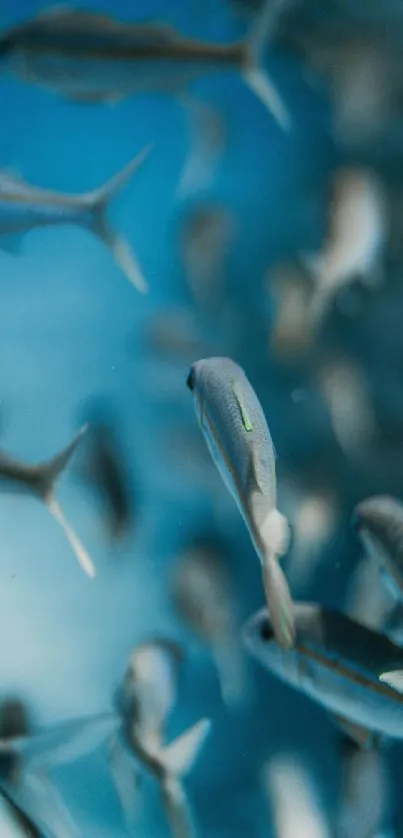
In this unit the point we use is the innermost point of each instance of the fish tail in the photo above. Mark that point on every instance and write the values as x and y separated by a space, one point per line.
393 679
79 550
54 468
253 72
177 809
279 601
178 757
99 201
206 145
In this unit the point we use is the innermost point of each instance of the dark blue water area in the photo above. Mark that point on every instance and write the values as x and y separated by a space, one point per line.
72 328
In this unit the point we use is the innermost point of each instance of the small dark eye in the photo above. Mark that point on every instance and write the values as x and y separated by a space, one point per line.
190 381
266 631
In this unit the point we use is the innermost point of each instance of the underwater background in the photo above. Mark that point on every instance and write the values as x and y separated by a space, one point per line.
74 333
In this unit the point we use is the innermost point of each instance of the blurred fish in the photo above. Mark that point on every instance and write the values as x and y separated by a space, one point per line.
26 756
367 601
379 523
291 335
393 678
336 662
24 207
238 438
358 230
206 147
91 56
105 470
314 513
294 799
41 481
203 594
174 332
206 237
364 793
144 702
345 389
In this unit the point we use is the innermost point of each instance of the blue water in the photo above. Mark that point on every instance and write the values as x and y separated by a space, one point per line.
71 328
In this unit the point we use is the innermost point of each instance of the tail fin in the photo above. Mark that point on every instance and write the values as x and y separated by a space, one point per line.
393 679
51 470
79 550
253 73
275 540
178 757
177 808
98 201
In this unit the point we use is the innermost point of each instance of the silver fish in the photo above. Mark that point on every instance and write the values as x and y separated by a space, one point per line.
91 56
286 778
24 207
336 662
41 481
144 702
365 793
203 594
379 523
237 435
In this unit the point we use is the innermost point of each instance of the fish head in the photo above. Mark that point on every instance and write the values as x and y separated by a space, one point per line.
378 522
260 641
207 377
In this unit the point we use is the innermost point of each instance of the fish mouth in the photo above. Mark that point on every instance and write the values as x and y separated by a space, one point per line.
191 380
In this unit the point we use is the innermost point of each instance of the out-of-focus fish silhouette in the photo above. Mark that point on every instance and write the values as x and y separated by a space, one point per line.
104 469
204 596
91 56
144 702
24 207
294 798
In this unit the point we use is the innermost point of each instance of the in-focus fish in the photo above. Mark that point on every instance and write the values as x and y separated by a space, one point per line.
336 662
41 481
105 470
144 702
91 56
233 423
358 230
203 594
26 756
379 522
24 207
285 778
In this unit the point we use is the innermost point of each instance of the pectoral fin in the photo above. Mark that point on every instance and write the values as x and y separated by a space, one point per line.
364 738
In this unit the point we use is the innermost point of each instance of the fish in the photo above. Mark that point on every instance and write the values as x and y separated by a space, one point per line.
356 237
290 338
336 662
105 470
346 392
27 754
238 438
206 236
378 521
365 795
24 207
286 778
93 57
41 482
144 702
27 828
202 592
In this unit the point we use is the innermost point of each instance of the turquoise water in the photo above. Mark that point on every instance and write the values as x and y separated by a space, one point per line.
72 329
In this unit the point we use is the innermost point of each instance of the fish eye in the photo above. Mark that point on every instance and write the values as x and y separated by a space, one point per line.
191 380
266 631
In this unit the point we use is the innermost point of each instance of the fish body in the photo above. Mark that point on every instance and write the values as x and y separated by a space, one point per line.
24 207
203 596
94 57
336 662
41 480
378 521
144 702
236 432
357 233
285 778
